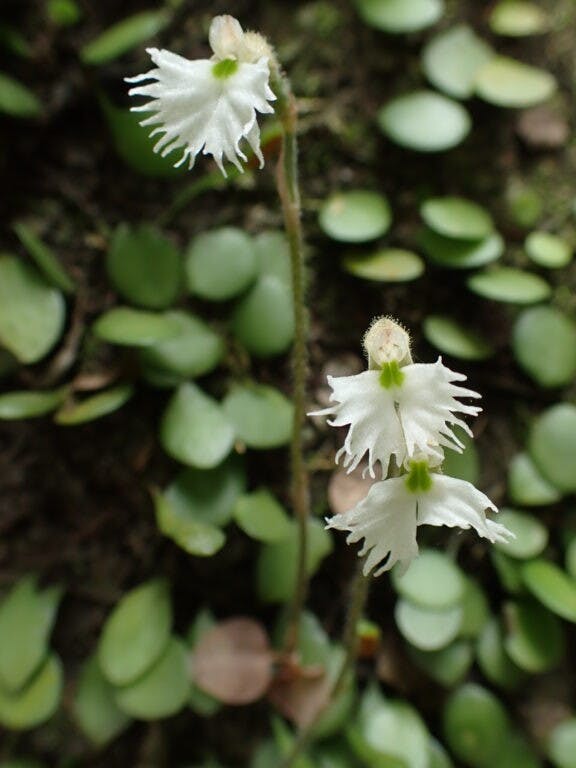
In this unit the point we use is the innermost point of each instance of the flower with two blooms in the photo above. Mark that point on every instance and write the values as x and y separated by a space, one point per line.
209 105
403 414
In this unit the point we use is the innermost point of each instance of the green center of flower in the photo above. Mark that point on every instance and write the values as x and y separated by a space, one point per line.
391 375
418 479
225 68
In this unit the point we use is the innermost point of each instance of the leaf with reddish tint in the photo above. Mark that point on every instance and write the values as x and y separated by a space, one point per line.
345 489
233 661
300 698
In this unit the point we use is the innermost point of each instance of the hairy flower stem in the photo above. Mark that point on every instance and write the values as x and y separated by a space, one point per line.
287 183
359 595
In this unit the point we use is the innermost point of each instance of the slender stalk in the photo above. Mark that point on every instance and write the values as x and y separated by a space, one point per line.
288 190
359 595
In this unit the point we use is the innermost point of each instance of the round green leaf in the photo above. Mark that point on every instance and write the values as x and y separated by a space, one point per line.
261 415
460 254
194 351
16 99
273 255
476 726
64 13
548 250
94 407
123 36
277 562
209 495
526 486
261 516
388 265
475 609
135 327
509 285
356 216
400 16
339 710
562 744
544 345
31 312
424 121
465 465
427 629
163 690
37 701
449 336
264 318
95 708
524 202
432 581
193 535
493 660
391 734
452 59
552 587
314 643
144 266
534 638
457 218
448 665
509 83
221 264
437 756
195 429
134 146
27 616
571 558
136 633
552 445
45 259
508 569
29 405
531 535
517 18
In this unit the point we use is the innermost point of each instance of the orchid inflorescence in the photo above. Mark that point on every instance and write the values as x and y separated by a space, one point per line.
401 415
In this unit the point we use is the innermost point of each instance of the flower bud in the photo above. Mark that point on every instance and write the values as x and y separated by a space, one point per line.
386 342
229 41
226 37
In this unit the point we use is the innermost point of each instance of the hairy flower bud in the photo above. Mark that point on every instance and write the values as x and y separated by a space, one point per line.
386 342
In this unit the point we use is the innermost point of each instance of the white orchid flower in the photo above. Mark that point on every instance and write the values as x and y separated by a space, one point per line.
388 517
398 412
209 105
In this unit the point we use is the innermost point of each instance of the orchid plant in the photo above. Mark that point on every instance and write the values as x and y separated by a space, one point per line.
399 415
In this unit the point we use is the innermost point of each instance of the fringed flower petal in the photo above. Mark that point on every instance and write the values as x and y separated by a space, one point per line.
428 407
386 520
199 108
368 409
458 504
